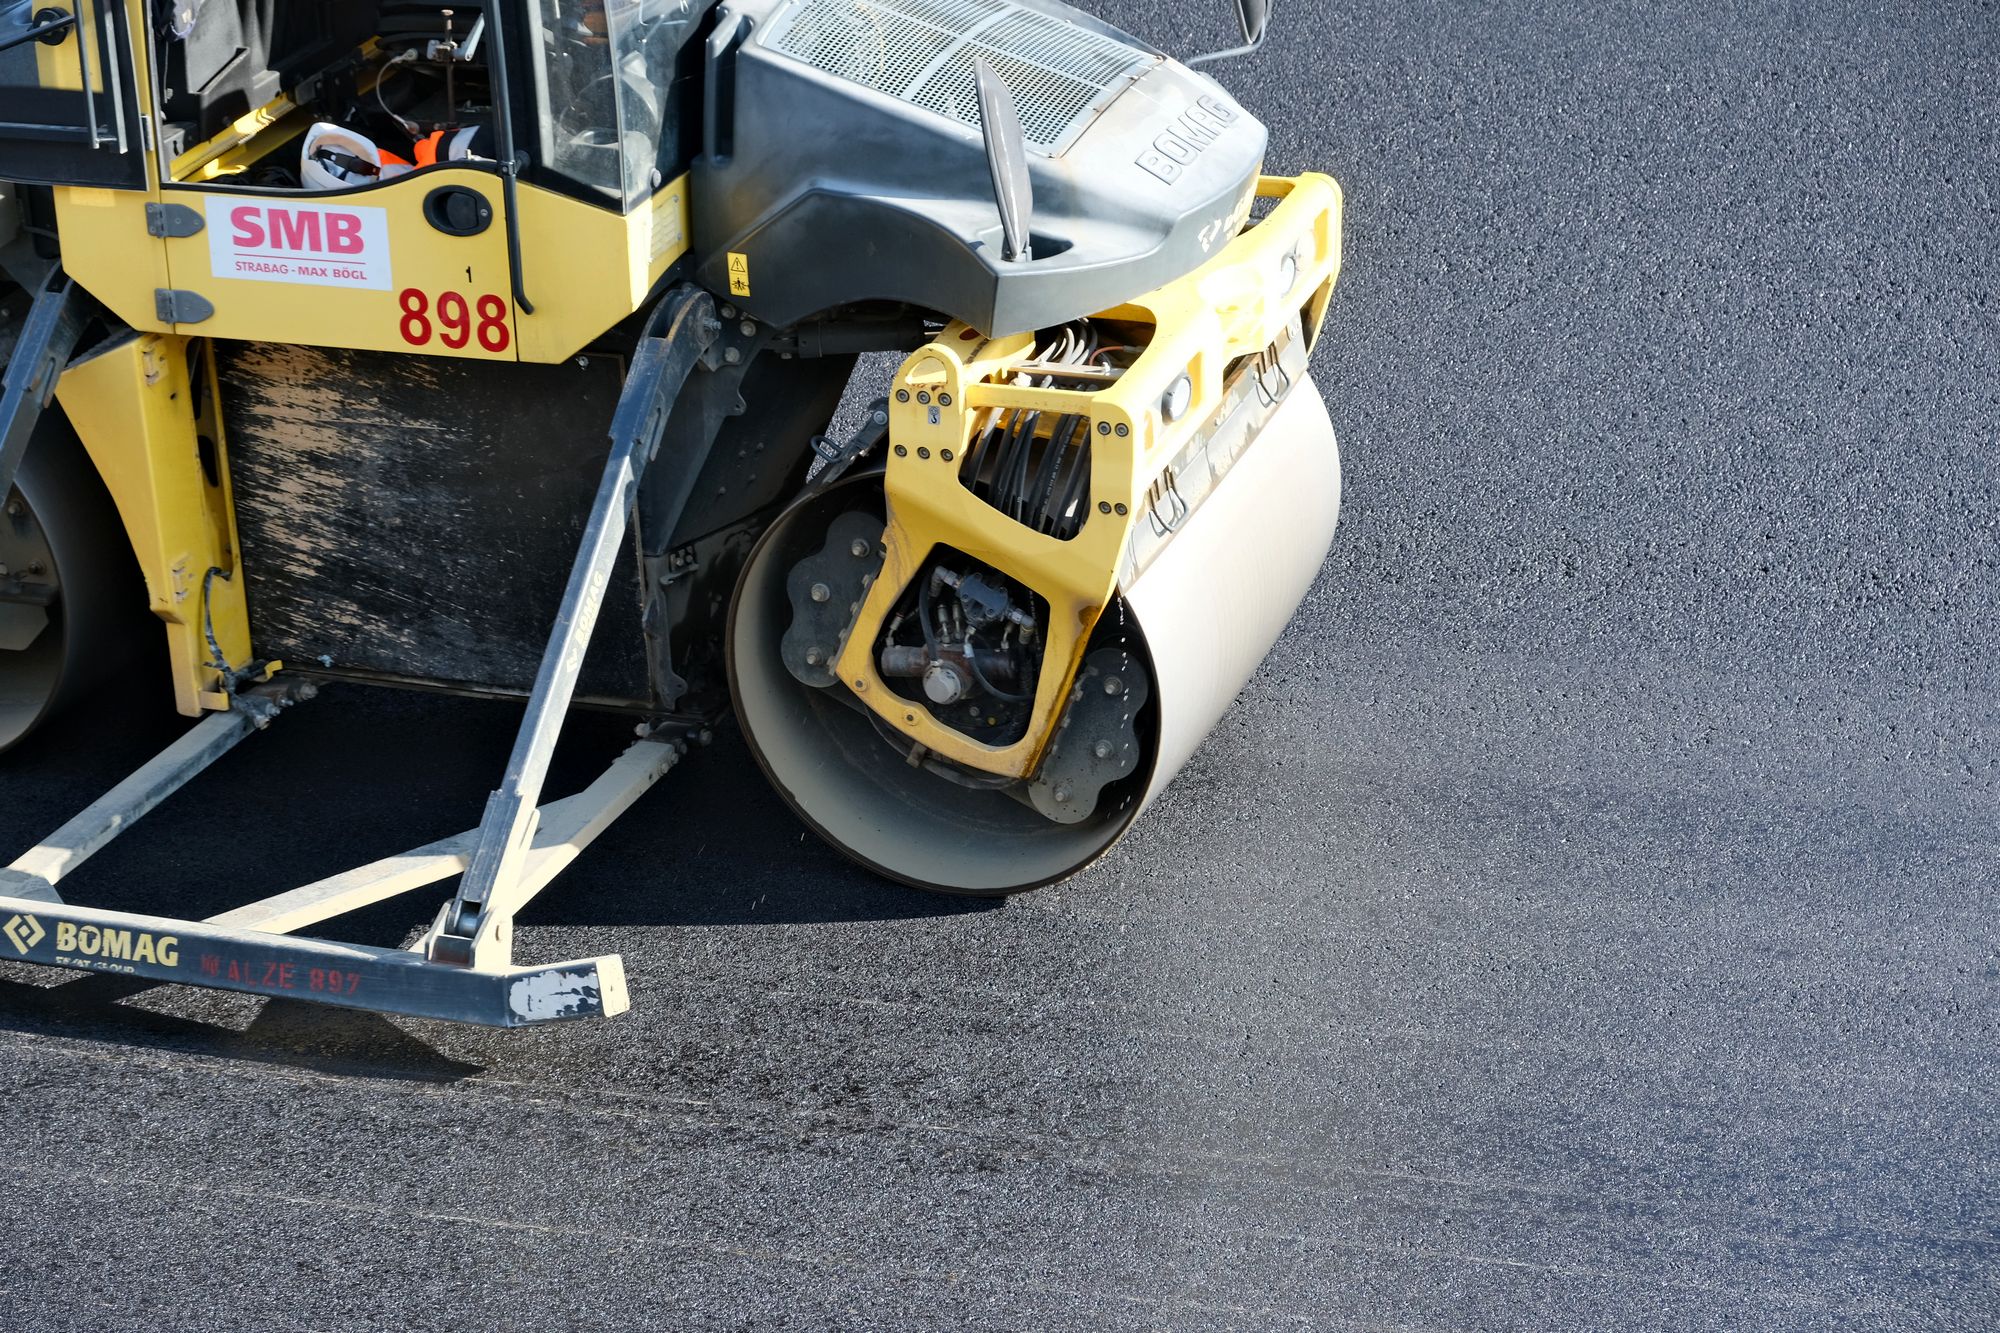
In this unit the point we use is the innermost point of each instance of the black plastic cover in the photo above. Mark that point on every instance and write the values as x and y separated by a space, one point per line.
819 188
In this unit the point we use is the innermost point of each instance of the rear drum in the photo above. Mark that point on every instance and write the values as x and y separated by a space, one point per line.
71 600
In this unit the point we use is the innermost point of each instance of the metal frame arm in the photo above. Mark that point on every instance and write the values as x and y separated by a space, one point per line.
473 930
54 326
352 976
248 948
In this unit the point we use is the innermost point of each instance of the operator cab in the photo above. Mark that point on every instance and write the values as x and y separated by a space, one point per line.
595 79
239 83
427 138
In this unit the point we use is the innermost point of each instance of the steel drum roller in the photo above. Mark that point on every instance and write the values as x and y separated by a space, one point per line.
1198 620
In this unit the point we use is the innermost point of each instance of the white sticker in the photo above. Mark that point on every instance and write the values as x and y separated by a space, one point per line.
665 220
323 245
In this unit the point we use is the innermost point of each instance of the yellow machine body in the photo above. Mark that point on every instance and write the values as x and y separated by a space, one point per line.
289 391
1203 325
1214 488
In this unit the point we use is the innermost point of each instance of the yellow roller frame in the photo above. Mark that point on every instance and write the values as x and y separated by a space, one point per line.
133 406
1233 306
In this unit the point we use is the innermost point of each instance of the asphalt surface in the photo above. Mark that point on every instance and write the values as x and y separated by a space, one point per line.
1585 921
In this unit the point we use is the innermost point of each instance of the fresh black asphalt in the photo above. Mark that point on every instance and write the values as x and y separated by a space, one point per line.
1586 920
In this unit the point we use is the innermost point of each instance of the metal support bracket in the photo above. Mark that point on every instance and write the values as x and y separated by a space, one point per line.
36 873
353 976
474 928
250 948
53 328
831 458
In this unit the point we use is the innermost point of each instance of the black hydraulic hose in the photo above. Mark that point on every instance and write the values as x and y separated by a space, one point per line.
1003 456
924 613
1003 464
972 661
1075 493
975 464
1045 480
1017 471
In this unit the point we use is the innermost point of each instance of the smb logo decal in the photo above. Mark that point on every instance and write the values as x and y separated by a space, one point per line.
24 932
319 245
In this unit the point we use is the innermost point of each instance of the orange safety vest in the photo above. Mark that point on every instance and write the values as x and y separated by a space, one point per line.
425 151
426 148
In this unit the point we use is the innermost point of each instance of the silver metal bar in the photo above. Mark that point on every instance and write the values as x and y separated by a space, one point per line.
111 71
567 827
352 976
54 326
115 811
83 72
471 931
36 32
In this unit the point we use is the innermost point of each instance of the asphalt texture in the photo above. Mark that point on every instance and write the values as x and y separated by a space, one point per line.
1586 920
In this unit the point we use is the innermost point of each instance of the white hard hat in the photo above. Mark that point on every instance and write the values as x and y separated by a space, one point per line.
335 158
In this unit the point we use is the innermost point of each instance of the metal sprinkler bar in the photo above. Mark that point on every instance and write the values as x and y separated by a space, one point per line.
249 949
462 969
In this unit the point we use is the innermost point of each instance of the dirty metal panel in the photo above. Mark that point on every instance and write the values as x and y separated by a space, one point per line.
418 516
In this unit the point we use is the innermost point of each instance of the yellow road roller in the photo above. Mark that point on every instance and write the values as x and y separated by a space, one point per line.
501 348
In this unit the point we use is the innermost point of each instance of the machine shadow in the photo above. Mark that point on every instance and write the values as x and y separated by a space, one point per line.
713 845
363 773
341 1042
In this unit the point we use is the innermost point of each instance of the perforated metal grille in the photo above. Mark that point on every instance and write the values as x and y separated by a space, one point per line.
921 51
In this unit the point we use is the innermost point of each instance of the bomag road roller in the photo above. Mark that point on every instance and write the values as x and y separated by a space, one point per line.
502 348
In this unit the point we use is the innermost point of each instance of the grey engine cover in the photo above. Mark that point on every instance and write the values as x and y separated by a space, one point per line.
844 160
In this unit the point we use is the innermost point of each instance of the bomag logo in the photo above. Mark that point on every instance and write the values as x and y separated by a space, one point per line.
1175 148
24 932
131 946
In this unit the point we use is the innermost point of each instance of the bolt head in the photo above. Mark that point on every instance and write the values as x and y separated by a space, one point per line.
1102 749
820 592
814 657
857 547
731 355
1113 685
1062 793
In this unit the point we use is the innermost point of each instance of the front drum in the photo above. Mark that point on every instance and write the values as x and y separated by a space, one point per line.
1196 622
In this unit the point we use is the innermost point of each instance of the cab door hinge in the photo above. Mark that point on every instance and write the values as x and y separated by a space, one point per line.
175 306
172 220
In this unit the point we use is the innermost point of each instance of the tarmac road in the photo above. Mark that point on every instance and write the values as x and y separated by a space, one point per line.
1586 920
